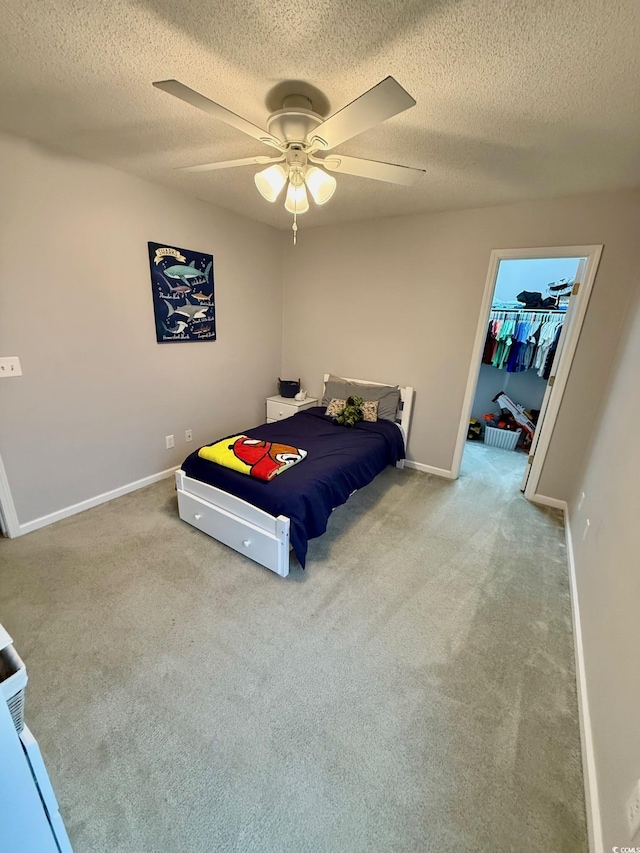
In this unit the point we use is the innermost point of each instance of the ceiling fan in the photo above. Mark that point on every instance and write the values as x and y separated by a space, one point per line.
303 143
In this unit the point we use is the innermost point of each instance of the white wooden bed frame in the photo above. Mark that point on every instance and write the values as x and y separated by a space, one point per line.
241 525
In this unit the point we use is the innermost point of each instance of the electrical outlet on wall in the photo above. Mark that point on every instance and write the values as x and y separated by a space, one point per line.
633 811
170 442
10 366
188 435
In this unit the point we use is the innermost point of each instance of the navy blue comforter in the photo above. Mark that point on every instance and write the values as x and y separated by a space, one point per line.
339 461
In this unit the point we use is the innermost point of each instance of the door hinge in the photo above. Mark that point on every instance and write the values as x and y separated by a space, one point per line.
576 288
530 460
552 379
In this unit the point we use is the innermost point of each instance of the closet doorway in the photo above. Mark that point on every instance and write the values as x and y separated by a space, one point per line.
533 308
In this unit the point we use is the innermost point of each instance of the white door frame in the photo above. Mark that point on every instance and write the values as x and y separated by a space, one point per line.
592 254
7 508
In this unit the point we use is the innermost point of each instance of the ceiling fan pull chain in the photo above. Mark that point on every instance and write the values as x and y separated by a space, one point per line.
294 228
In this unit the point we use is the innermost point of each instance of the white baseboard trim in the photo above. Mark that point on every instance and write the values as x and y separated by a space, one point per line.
45 520
543 500
592 802
429 469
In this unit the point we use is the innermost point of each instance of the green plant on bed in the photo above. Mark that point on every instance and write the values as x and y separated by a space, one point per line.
351 413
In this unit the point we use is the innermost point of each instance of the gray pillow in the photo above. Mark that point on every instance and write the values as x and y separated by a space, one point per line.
388 396
334 389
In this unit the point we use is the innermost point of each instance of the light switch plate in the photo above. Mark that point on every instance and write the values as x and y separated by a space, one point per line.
10 366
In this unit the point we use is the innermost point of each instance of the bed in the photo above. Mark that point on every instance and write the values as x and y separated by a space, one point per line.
263 520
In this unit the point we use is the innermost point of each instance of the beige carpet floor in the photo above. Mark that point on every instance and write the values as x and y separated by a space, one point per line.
412 690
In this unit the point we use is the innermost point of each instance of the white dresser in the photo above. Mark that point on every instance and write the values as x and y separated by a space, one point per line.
279 408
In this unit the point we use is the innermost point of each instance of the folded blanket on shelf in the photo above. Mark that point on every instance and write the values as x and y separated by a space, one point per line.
260 459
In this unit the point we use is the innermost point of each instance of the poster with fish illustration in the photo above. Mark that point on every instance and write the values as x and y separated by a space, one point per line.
182 285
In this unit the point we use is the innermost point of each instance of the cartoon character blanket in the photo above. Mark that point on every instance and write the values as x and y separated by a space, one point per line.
261 459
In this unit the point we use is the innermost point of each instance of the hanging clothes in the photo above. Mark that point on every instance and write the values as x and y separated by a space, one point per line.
517 361
504 339
532 344
522 340
547 337
552 354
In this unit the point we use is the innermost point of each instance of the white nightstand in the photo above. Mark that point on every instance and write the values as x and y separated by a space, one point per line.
279 408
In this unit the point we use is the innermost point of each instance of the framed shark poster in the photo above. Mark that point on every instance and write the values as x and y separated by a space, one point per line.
182 285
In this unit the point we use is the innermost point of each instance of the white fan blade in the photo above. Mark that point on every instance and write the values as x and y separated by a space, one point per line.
386 99
230 164
179 90
388 172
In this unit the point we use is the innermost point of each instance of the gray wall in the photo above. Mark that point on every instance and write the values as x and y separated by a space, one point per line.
398 300
526 388
608 581
98 393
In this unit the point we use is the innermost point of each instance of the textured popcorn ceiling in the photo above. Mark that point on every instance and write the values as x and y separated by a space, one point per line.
517 99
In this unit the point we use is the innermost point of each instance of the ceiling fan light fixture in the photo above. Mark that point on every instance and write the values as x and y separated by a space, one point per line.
296 131
321 185
296 201
270 182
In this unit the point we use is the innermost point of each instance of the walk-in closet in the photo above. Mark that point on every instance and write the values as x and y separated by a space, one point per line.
523 331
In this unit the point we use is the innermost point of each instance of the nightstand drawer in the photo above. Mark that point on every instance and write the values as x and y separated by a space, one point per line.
279 411
279 408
